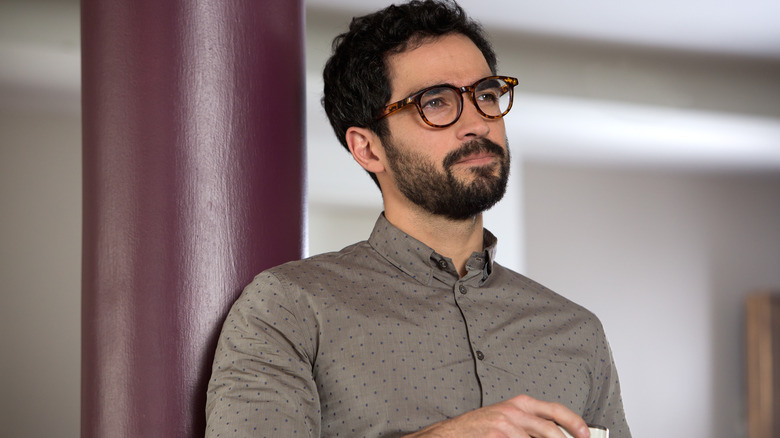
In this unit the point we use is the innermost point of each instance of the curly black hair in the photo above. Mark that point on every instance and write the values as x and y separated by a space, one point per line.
356 76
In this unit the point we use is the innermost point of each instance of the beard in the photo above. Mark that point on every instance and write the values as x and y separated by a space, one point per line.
441 192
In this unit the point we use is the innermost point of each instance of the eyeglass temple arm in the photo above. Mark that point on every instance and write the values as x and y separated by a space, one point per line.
390 109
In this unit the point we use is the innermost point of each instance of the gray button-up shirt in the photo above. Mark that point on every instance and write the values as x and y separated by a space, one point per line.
384 338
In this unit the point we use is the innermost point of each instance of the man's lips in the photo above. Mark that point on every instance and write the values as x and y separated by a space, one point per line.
476 153
477 159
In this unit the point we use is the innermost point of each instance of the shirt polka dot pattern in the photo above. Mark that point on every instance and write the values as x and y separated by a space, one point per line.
383 338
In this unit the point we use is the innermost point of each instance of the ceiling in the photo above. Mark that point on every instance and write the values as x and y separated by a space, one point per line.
39 46
745 27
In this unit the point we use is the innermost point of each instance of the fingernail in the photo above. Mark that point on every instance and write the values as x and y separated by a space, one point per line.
585 431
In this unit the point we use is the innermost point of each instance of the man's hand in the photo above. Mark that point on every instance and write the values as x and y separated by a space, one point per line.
520 417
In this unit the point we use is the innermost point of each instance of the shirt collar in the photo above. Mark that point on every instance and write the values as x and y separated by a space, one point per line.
420 261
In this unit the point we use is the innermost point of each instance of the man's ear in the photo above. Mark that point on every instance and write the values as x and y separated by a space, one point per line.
366 149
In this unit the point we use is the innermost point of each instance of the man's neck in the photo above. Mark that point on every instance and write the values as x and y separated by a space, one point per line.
450 238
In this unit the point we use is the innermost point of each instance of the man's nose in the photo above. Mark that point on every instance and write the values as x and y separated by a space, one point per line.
471 121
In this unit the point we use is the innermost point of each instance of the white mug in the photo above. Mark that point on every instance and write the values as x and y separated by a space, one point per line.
595 432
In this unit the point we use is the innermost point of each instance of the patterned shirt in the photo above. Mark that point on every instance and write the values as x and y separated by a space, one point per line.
384 338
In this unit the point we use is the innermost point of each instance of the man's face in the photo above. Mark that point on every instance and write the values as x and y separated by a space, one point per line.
458 171
442 193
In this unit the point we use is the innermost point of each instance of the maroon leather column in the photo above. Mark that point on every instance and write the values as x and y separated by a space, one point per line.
193 183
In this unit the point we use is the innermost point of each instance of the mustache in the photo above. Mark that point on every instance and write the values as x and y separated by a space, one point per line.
473 147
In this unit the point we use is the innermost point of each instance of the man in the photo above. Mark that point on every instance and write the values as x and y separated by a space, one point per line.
417 331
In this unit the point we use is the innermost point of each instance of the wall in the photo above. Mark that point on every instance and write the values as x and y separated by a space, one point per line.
40 273
666 260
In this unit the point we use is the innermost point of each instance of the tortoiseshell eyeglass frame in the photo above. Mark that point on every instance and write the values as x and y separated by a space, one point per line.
471 89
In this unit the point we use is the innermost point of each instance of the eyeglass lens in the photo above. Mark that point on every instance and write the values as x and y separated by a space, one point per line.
442 106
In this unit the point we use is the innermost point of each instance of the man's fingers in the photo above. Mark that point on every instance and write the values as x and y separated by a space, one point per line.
554 412
521 416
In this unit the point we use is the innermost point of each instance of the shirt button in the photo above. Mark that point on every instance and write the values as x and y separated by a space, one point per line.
480 356
462 289
442 264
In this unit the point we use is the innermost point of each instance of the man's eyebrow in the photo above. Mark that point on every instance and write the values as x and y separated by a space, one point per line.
433 85
492 82
435 91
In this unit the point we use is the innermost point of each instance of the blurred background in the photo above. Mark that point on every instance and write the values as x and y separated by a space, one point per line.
645 186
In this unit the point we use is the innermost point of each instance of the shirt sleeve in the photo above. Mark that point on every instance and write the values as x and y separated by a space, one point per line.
605 407
261 383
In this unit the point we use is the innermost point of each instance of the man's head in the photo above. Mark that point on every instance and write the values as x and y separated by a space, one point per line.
357 76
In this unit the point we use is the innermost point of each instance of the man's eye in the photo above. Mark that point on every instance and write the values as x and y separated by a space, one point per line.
438 99
488 96
434 103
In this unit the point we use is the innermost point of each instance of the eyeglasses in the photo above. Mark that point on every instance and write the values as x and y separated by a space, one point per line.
441 105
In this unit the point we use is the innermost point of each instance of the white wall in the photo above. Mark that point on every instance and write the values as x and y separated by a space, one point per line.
40 274
666 260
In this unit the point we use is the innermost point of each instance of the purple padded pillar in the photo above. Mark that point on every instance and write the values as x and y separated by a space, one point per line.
193 183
